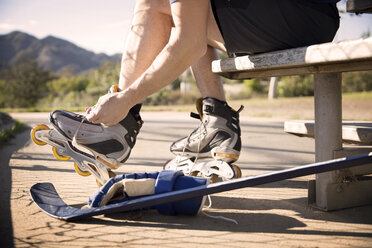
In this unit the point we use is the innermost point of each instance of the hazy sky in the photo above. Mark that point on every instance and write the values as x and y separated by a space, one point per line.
102 25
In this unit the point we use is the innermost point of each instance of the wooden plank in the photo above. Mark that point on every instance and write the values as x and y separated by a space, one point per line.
312 69
353 55
359 6
352 132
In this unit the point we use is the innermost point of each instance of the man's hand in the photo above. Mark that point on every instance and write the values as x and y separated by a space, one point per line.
109 110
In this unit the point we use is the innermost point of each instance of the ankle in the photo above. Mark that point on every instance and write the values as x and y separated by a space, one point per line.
222 101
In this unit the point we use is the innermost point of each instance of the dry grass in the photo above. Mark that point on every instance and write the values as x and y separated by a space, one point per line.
356 106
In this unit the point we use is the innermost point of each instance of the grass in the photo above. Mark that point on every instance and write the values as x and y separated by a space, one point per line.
367 95
356 106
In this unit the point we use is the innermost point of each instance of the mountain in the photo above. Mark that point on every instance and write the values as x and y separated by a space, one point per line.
52 53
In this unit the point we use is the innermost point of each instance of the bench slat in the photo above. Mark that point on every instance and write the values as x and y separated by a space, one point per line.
352 132
341 56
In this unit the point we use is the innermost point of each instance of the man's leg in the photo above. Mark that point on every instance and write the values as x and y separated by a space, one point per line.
215 138
210 84
149 33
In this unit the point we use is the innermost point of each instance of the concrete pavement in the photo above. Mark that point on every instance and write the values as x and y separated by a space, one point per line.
271 215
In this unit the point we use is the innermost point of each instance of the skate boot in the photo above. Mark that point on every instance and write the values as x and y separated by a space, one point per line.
210 149
96 149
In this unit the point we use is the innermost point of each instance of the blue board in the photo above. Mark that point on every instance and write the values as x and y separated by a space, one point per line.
47 198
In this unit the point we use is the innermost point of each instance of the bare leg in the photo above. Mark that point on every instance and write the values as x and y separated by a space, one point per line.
210 84
149 33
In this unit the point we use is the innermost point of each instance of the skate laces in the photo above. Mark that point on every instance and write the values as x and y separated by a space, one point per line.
199 132
199 136
74 142
218 216
202 124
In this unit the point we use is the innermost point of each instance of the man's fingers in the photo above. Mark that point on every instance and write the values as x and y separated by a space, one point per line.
92 116
87 110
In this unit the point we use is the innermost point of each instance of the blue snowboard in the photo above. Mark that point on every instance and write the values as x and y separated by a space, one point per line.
47 198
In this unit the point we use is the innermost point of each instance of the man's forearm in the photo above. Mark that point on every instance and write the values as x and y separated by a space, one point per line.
174 59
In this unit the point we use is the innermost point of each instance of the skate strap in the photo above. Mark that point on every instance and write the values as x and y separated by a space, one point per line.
195 115
115 186
240 109
130 186
106 192
139 187
165 183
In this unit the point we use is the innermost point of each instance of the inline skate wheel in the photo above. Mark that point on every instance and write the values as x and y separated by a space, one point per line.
80 172
58 156
237 171
33 132
212 178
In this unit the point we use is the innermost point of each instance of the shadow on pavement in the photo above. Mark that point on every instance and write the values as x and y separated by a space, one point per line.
356 215
6 151
250 223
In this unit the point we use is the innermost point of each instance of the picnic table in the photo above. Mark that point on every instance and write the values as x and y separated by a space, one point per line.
337 189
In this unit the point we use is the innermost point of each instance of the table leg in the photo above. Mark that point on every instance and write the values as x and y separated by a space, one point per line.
328 127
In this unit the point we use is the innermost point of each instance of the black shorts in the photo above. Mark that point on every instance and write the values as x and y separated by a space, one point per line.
257 26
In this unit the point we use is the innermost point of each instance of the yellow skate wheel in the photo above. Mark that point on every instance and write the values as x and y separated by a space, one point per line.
237 171
80 172
212 178
34 130
194 173
59 157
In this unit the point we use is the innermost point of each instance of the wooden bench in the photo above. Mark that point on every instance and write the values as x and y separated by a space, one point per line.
359 133
326 62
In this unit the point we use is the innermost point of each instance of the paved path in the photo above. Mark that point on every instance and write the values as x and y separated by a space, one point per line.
271 215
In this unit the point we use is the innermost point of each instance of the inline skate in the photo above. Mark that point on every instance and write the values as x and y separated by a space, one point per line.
210 150
95 148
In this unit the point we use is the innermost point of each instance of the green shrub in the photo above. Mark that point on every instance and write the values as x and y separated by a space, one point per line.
2 93
25 84
296 86
171 97
253 86
357 81
65 85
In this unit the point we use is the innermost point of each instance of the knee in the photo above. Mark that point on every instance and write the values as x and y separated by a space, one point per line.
162 6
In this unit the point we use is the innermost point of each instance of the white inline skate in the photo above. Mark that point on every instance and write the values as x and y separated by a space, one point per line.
210 150
95 148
